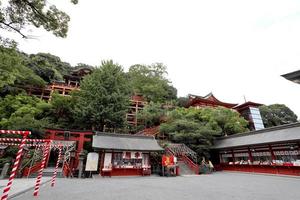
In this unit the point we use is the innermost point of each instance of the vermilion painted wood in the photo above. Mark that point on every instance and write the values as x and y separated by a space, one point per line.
269 169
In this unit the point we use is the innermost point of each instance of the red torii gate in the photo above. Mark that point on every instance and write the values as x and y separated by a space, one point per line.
19 154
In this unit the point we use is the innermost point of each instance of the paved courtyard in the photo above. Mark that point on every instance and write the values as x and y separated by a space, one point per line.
218 186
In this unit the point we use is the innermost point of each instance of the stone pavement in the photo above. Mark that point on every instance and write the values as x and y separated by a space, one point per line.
21 185
216 186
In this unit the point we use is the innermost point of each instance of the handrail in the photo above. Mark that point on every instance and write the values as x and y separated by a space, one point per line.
193 166
67 171
30 170
168 150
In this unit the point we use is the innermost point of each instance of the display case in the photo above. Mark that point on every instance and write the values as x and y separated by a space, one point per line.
261 158
226 158
287 157
241 158
126 160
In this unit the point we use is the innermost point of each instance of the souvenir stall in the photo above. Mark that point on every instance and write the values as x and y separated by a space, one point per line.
124 155
273 150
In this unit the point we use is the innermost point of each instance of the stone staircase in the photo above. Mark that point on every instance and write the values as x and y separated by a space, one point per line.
48 172
187 158
184 169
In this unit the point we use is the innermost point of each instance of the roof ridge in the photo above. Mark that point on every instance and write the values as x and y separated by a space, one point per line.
280 127
123 135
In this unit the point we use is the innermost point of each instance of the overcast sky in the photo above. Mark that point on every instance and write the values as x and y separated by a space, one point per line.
232 48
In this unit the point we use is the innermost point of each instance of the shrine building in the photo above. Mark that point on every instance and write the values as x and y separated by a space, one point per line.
249 110
123 154
293 76
71 82
274 150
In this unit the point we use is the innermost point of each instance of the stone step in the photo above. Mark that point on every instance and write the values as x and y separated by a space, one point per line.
184 169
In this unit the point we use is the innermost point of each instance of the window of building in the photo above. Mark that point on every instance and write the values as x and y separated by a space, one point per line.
261 158
287 157
127 159
241 158
256 118
226 158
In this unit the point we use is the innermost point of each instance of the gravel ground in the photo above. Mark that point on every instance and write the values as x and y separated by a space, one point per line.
217 186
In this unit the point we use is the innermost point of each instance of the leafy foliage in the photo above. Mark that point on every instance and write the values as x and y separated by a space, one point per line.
277 114
47 66
103 97
17 14
197 127
182 102
150 81
151 114
24 112
61 112
13 71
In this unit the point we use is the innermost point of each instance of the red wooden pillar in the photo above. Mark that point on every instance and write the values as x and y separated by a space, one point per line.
80 142
273 157
233 159
250 155
251 159
272 153
101 162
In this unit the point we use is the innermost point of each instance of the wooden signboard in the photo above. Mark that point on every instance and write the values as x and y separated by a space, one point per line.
92 162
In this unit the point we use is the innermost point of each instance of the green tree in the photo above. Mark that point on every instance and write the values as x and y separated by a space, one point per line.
277 114
152 114
13 71
197 127
182 102
15 15
22 112
48 67
103 97
151 82
82 65
61 112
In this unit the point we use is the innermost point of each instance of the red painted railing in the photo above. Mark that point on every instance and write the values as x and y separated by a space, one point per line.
30 170
153 131
193 166
65 171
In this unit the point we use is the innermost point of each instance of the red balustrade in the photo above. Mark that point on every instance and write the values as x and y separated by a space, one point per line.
193 166
30 170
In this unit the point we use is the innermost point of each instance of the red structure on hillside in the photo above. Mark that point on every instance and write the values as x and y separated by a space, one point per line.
71 82
249 110
137 103
207 101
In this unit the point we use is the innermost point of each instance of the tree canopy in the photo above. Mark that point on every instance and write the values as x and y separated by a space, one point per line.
16 15
47 66
151 82
103 98
152 114
22 112
277 114
14 71
197 127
